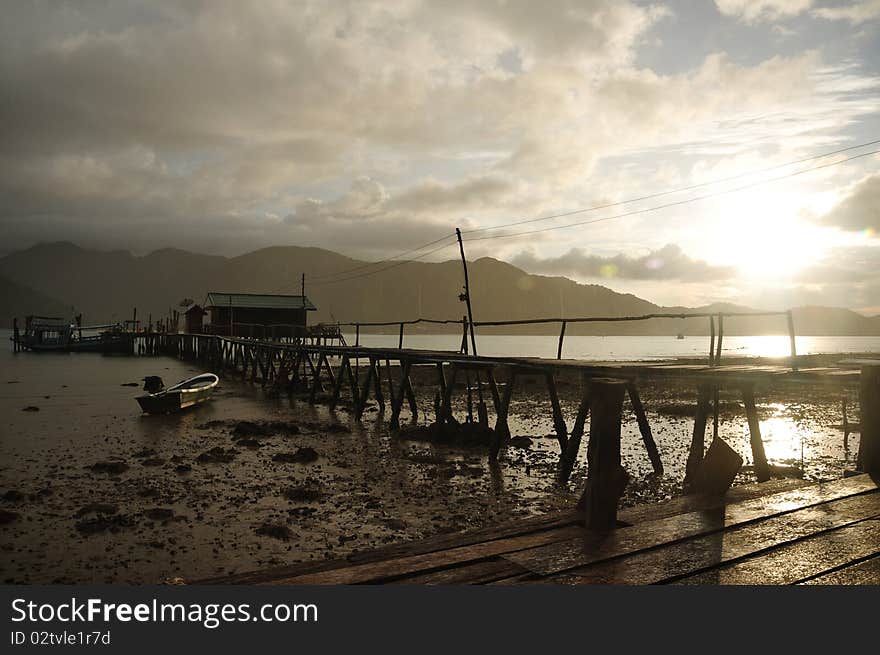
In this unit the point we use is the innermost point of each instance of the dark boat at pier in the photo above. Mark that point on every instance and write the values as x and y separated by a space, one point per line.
51 334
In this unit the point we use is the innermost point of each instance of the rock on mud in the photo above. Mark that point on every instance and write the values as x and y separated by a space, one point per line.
110 468
217 455
97 508
303 493
304 455
275 530
104 523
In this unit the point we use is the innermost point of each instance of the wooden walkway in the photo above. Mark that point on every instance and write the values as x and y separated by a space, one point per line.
780 532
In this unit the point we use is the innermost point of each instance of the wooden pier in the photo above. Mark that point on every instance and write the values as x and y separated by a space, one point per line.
776 533
355 374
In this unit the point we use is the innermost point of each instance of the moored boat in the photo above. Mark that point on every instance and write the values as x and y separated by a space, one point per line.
50 334
184 394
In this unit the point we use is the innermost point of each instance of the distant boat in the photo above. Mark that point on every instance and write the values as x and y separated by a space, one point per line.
679 336
49 334
182 395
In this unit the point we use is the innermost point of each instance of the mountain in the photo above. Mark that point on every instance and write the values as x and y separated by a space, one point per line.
107 286
19 300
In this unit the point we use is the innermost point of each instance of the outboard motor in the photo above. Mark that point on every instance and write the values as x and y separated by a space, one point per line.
153 384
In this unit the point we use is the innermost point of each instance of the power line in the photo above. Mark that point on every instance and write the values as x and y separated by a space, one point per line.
668 192
383 261
676 203
388 268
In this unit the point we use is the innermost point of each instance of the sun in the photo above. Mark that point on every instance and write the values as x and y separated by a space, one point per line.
764 240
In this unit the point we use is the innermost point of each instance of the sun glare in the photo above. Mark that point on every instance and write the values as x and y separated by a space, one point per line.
764 240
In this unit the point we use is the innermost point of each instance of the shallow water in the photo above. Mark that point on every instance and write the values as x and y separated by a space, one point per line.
374 488
620 348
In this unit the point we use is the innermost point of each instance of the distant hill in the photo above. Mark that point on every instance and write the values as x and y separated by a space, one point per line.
19 300
106 286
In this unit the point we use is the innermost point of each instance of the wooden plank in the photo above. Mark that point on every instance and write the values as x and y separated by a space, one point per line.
440 542
471 573
799 561
693 555
378 571
863 573
591 548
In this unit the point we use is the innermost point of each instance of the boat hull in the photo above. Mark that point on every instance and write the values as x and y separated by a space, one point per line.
178 397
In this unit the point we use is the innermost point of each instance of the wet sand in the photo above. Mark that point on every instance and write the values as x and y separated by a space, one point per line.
93 491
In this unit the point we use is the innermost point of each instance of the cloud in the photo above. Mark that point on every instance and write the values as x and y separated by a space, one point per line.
754 10
859 210
667 263
855 13
368 127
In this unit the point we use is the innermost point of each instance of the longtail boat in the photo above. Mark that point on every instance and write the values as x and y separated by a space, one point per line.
182 395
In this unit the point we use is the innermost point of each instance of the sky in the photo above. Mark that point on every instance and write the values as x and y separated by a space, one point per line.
664 133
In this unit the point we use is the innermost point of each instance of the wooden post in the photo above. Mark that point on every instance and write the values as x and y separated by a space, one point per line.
569 457
15 345
869 404
397 399
377 383
791 338
464 335
561 337
467 292
711 341
409 391
698 442
340 378
762 469
365 391
400 338
606 478
720 339
558 419
644 428
446 405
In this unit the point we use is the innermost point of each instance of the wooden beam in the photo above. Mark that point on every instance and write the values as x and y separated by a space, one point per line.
759 458
558 419
502 430
644 428
344 366
698 441
377 383
365 393
569 457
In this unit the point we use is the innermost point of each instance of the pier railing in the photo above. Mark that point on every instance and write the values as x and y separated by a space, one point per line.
333 331
716 335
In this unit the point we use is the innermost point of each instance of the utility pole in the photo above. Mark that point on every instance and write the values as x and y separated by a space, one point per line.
466 296
303 288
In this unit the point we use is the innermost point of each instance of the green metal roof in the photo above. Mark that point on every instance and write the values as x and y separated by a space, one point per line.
257 301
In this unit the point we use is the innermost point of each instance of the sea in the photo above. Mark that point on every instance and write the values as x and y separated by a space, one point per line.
628 348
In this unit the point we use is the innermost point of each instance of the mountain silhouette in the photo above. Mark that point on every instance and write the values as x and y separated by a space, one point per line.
105 286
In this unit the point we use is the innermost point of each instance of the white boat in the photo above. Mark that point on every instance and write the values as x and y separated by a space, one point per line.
184 394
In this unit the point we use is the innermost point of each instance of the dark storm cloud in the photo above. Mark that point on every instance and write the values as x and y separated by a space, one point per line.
667 263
